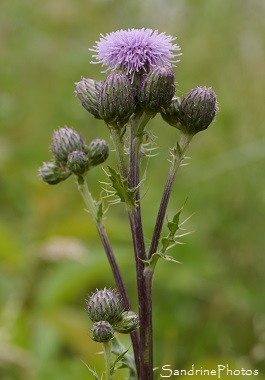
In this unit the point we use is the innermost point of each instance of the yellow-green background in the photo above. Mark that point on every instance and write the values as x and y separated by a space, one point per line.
210 309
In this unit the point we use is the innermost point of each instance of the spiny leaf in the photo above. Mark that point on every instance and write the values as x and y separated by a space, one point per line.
120 185
94 373
151 263
100 212
167 242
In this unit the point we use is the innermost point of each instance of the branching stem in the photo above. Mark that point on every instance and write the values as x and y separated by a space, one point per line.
92 208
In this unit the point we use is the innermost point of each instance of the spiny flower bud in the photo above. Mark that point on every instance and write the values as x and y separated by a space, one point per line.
78 162
52 174
104 305
98 151
157 90
197 110
171 114
64 141
87 91
116 100
102 331
128 323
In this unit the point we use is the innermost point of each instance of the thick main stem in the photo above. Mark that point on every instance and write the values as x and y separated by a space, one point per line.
144 291
178 155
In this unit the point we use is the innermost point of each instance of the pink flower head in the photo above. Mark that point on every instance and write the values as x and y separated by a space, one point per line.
135 50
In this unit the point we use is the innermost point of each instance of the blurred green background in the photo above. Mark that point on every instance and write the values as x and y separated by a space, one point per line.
210 309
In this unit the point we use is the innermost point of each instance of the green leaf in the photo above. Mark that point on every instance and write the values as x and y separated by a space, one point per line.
126 360
120 185
100 212
167 242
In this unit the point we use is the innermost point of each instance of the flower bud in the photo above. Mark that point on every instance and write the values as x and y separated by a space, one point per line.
157 89
102 331
104 305
64 141
78 162
197 110
128 323
171 114
52 174
98 151
116 100
87 91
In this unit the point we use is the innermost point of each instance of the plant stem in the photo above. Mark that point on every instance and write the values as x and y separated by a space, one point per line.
178 155
91 206
136 128
107 356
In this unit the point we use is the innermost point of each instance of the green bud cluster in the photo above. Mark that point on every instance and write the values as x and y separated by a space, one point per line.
105 309
115 99
72 156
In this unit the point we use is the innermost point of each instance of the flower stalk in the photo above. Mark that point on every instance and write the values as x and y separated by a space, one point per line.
178 154
107 357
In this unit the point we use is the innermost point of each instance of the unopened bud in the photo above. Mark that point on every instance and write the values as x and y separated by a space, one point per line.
157 89
128 323
52 174
78 162
64 141
171 114
104 305
116 100
102 331
98 151
197 110
87 91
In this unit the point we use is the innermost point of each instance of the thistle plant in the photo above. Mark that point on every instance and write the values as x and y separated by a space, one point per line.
139 84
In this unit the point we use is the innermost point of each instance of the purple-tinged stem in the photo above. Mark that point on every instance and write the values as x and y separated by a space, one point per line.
178 155
90 203
144 291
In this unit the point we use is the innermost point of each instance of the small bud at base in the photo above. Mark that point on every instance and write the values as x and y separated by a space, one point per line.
102 331
128 323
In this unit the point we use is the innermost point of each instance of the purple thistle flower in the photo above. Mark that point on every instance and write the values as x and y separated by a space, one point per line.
135 50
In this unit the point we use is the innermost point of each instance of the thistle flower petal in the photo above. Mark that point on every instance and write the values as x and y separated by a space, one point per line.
135 50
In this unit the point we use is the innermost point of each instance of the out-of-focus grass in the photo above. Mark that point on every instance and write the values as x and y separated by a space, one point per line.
211 308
